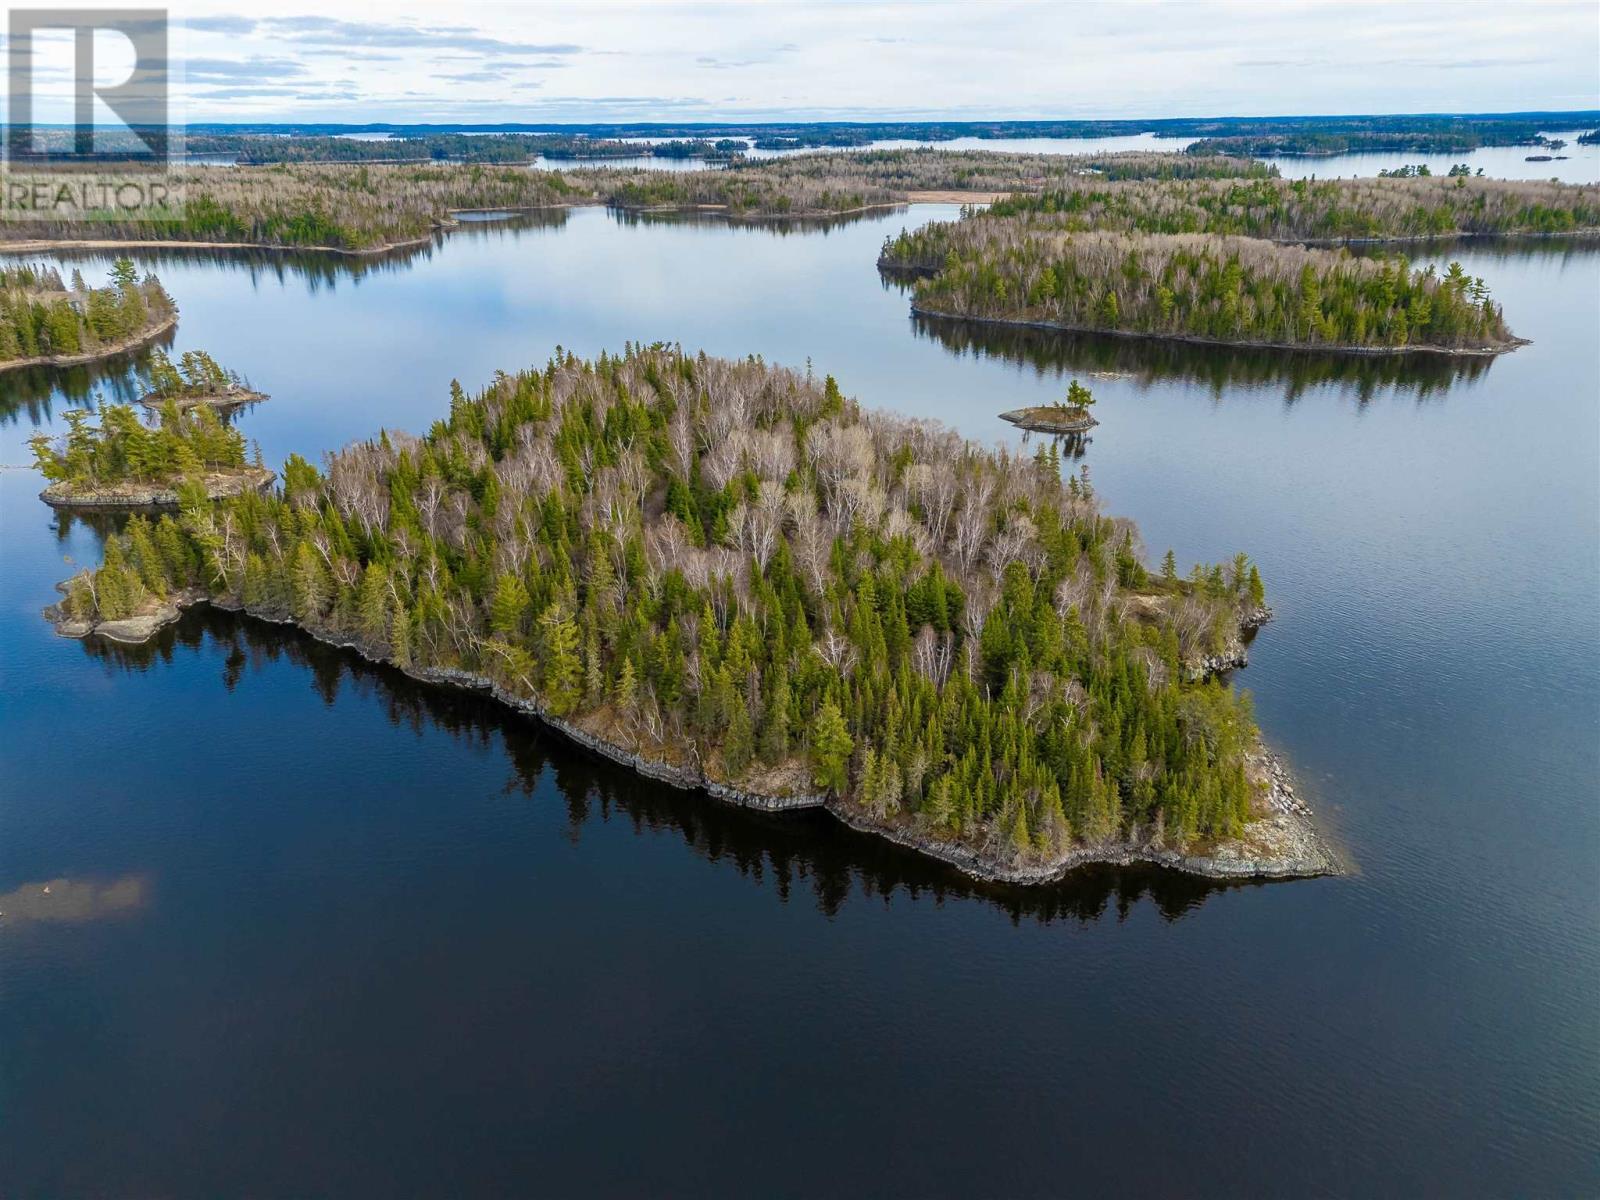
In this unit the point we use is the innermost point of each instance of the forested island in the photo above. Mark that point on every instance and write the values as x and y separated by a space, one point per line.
373 208
46 322
122 463
1216 289
1209 260
730 576
1300 210
1323 144
196 380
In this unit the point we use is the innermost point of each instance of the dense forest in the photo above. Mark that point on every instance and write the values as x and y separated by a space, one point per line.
182 445
1214 288
371 206
43 317
732 568
1285 210
1206 259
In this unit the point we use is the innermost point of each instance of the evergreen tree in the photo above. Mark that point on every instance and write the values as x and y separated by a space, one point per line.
831 745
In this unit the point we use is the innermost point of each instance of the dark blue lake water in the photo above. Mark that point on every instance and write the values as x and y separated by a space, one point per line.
357 937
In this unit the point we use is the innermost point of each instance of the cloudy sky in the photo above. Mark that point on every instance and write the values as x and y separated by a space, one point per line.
596 61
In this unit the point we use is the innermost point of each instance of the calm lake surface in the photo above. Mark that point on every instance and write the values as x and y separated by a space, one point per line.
334 933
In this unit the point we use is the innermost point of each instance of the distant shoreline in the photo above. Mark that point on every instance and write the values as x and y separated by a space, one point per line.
45 245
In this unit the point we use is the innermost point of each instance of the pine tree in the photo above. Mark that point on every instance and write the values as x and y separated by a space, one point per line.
372 604
509 606
775 720
563 671
738 746
625 692
831 745
310 590
400 637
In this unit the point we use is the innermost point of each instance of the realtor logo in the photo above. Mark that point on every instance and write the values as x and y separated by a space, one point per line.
138 100
110 161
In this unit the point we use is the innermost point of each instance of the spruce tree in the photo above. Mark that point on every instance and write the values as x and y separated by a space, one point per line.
831 745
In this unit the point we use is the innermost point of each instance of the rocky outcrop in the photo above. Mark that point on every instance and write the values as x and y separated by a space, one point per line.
131 494
1049 419
1233 654
224 401
1281 843
130 630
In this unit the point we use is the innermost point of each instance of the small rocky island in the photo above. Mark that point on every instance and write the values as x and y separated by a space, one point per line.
196 380
47 322
729 577
1062 417
125 464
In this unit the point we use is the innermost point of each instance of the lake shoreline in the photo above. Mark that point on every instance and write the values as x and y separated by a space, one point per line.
132 496
220 401
48 245
1197 340
1045 419
144 337
1282 843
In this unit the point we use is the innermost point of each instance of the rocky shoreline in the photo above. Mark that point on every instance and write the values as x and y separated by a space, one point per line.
1234 654
131 630
223 401
1196 340
131 495
143 337
1282 843
1044 419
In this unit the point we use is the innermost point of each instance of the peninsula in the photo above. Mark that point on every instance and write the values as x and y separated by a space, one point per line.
729 576
46 322
125 464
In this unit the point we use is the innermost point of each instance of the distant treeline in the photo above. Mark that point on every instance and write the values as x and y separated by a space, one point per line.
1289 210
371 206
849 133
1407 141
260 149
